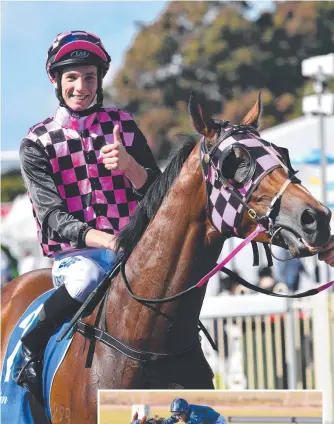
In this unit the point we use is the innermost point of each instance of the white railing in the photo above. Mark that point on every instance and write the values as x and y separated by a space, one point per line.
272 343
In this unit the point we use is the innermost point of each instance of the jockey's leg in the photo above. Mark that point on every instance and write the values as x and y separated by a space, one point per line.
56 310
77 276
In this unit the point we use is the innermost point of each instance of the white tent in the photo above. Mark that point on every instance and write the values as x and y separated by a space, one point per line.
301 135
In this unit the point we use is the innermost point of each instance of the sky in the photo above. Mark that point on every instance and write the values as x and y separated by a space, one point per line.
28 29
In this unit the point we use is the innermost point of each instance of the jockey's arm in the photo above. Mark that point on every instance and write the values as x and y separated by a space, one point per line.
136 173
171 420
141 157
194 418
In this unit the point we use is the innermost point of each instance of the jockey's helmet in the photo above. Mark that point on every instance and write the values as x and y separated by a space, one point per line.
179 406
77 48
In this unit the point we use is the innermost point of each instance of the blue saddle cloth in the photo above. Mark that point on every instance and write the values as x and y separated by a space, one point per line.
13 398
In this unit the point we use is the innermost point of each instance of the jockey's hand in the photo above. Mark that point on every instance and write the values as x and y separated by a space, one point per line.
327 252
97 238
115 157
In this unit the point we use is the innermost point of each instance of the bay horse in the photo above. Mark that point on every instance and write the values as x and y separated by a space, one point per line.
173 239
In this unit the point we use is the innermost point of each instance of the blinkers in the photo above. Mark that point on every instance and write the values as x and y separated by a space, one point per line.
233 168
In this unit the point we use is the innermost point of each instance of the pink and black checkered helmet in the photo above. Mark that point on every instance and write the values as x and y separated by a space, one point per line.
76 48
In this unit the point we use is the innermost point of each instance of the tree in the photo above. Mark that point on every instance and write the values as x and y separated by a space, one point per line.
214 49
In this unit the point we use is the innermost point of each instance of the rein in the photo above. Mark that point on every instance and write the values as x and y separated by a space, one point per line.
265 224
221 266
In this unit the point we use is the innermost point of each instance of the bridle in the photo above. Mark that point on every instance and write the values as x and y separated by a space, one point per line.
215 180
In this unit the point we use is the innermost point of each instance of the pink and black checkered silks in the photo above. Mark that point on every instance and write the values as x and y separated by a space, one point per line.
92 194
225 209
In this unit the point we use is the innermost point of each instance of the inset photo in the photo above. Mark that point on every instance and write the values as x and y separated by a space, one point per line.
210 407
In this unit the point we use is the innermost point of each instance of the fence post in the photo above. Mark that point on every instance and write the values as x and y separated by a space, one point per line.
323 361
291 356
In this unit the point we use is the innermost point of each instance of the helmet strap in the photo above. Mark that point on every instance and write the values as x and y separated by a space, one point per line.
58 89
99 91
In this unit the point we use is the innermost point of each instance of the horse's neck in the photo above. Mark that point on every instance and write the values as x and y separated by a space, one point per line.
171 255
177 239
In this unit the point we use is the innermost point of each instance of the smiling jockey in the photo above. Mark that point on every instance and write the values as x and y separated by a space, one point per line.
193 414
85 170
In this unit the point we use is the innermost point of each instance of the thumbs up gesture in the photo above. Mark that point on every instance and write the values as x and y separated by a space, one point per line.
115 157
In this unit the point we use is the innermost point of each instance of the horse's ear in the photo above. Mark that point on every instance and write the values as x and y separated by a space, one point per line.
253 116
202 122
135 417
143 420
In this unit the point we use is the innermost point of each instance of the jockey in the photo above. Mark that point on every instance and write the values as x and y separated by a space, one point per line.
193 414
85 170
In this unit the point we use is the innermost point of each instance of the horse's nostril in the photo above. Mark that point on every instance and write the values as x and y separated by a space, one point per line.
307 218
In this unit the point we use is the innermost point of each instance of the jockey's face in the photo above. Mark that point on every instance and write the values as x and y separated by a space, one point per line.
79 86
182 417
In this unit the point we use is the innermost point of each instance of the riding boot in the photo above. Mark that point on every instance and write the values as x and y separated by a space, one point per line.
56 310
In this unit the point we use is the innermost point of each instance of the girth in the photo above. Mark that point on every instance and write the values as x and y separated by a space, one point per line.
92 332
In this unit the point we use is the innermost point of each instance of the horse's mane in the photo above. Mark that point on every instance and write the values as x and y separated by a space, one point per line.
148 206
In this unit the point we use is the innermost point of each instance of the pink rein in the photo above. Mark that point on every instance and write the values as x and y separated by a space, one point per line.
258 230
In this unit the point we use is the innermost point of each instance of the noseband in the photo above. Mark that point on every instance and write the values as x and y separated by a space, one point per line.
226 201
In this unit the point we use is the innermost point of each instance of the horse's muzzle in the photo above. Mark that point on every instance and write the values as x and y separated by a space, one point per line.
310 231
315 226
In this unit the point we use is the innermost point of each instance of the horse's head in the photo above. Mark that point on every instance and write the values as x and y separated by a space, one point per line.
251 181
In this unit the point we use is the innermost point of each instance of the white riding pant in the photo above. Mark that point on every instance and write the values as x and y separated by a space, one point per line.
82 270
221 420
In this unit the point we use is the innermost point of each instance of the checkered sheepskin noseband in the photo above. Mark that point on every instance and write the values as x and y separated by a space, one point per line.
226 209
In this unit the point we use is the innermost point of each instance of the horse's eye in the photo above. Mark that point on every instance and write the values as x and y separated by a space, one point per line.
235 165
229 165
241 171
